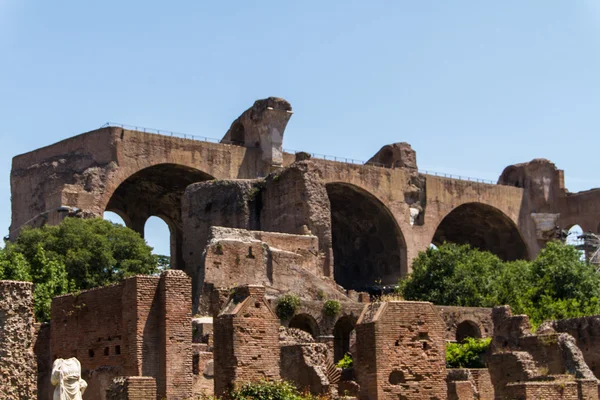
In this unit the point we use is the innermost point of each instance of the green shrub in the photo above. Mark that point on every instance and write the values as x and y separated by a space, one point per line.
269 390
345 362
287 306
468 354
331 308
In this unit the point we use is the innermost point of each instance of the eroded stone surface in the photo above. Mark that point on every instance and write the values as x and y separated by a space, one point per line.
18 369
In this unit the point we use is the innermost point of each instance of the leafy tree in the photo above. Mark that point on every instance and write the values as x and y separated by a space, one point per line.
162 262
95 252
76 255
557 284
453 275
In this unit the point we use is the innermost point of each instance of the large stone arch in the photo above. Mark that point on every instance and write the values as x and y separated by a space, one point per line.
368 246
483 227
156 191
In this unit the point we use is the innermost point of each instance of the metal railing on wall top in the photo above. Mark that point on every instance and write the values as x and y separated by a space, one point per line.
326 157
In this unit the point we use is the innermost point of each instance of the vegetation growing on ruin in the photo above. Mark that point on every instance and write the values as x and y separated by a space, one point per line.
345 362
76 255
270 390
468 354
556 285
287 305
331 308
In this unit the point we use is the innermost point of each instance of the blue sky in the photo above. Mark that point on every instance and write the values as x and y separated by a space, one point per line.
473 86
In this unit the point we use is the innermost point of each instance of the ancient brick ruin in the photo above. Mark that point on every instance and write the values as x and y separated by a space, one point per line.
139 327
249 223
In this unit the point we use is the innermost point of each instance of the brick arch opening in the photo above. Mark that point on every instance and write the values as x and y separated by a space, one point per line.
343 333
306 323
467 329
483 227
156 191
368 247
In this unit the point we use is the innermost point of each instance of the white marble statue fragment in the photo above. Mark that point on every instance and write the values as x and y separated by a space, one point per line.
66 376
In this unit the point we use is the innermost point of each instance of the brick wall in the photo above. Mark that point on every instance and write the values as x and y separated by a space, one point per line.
401 351
138 327
132 388
89 326
43 359
246 340
543 390
18 370
176 335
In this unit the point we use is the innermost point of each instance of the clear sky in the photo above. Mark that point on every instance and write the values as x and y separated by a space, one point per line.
473 86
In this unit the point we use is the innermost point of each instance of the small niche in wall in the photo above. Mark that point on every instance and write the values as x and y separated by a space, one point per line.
91 353
117 349
106 351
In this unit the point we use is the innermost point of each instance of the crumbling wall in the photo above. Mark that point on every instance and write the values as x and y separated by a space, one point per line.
18 369
400 351
246 340
305 365
586 331
262 126
281 262
523 364
295 201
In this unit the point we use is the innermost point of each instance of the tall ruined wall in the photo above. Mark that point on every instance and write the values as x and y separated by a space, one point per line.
295 201
401 351
18 368
246 344
176 378
85 171
137 175
215 203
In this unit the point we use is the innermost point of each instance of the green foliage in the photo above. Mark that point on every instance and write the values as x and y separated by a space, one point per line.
269 390
345 362
331 308
287 306
162 262
468 354
76 255
557 284
453 275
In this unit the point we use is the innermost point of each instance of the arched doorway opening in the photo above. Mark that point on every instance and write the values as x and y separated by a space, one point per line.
368 247
343 331
467 329
156 191
305 323
574 238
114 218
238 134
483 227
158 236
